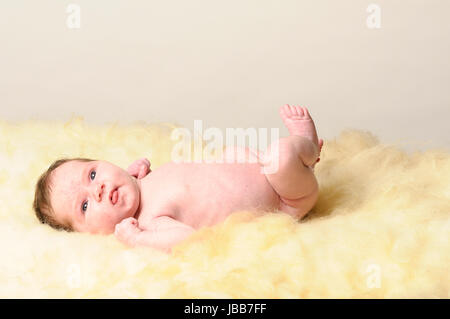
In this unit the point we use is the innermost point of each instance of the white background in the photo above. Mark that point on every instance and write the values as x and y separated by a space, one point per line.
232 64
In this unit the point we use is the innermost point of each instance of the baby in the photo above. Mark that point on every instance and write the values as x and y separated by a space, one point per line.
160 208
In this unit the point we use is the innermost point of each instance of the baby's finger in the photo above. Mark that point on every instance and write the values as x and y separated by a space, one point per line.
130 220
125 222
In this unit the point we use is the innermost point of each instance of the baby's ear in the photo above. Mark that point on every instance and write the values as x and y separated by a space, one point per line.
147 161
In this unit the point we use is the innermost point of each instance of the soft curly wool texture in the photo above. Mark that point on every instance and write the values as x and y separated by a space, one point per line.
380 228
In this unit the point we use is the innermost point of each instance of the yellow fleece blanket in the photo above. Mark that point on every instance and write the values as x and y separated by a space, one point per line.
380 228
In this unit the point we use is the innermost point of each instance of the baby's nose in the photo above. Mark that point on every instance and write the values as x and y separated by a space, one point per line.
98 192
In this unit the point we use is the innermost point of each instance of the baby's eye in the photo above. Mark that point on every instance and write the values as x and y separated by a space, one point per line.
85 204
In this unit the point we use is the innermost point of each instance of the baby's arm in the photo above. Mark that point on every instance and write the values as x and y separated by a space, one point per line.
163 233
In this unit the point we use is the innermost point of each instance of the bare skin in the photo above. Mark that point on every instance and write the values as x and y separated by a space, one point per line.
178 198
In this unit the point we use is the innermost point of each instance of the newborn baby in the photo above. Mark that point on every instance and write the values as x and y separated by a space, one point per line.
160 208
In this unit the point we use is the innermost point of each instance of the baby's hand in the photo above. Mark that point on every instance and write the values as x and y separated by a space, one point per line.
127 231
139 168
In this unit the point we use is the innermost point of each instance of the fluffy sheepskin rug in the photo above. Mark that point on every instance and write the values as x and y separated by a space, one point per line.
380 228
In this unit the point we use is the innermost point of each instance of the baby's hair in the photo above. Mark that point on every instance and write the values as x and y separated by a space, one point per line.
41 205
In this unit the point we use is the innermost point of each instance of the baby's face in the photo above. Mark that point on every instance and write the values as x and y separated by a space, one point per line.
83 193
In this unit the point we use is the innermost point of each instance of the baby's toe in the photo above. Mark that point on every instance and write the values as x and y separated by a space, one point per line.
293 110
300 112
306 112
285 111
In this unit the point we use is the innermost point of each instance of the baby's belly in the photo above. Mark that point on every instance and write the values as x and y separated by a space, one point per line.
211 192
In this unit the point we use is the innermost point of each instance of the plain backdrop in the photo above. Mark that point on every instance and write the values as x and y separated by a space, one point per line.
232 64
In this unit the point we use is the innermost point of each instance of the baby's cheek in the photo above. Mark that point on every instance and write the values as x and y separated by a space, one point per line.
101 222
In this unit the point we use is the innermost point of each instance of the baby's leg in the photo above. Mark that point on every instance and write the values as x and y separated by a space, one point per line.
293 178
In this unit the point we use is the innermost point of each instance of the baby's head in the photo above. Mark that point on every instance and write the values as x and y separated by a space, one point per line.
85 195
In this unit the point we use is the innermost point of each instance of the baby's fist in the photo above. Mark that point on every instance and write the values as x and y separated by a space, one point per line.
139 168
127 230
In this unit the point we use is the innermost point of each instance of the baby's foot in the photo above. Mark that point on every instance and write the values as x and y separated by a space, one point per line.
299 122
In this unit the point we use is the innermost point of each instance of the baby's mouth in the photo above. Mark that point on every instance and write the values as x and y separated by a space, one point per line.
114 196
